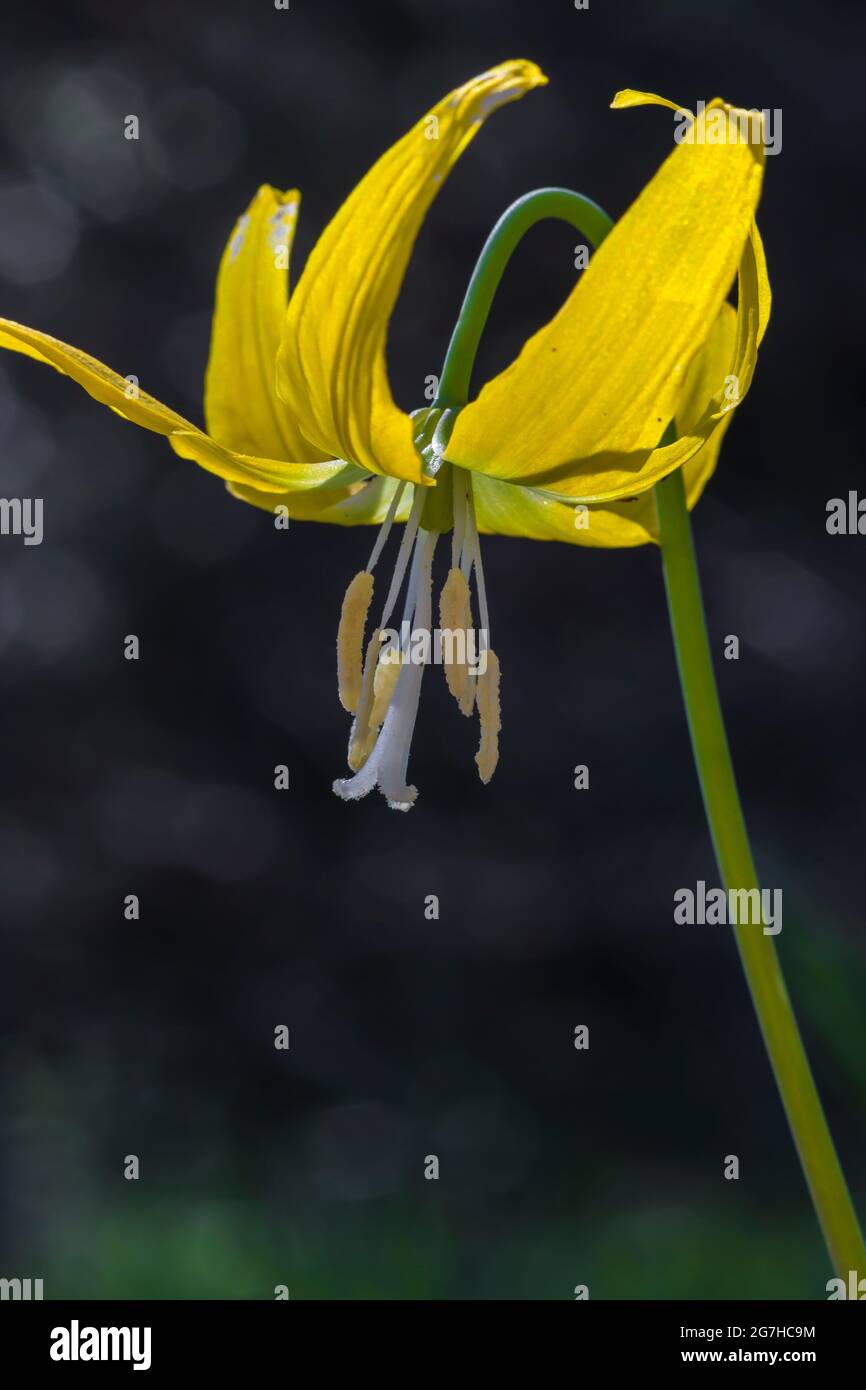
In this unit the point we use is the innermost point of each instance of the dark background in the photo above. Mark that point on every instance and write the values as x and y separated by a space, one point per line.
408 1037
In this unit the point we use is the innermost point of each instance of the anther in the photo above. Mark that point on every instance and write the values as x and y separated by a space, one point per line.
361 722
363 740
455 615
350 638
489 714
384 685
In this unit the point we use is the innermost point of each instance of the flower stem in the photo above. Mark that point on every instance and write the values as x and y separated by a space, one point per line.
709 741
562 204
790 1064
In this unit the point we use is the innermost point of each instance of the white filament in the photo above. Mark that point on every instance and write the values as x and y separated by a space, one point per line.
385 528
387 764
410 530
475 542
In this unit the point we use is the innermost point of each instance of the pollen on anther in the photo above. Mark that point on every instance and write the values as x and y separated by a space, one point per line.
489 714
384 685
455 616
350 639
365 731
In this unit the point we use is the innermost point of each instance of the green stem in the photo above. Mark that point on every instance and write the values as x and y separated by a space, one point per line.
724 813
559 203
709 741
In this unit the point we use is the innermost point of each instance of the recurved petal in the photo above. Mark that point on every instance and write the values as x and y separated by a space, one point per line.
753 312
331 365
511 510
754 301
628 96
583 406
241 406
710 373
357 504
271 475
124 396
507 509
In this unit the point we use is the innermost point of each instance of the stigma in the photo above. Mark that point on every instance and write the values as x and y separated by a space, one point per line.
379 681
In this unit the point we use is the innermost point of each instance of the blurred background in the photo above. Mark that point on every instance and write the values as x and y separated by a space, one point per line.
409 1037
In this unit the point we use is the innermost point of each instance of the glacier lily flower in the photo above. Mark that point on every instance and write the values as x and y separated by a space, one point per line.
602 432
562 445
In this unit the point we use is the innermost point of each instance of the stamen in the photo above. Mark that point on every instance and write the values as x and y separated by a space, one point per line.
410 530
489 714
459 505
360 741
455 615
385 528
379 685
385 692
387 764
474 543
360 728
350 638
384 683
396 742
353 617
487 684
411 591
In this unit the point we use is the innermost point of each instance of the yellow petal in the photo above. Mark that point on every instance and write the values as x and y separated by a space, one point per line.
273 475
331 366
705 380
127 399
241 407
511 510
357 504
99 381
583 406
629 97
753 311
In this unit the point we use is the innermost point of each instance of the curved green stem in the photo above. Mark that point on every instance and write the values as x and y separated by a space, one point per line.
724 813
709 741
560 203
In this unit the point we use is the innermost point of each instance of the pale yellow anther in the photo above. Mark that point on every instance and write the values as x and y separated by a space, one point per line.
350 639
455 617
361 748
358 739
384 685
487 697
363 739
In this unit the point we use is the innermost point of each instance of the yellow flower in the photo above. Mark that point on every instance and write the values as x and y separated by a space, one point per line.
562 445
251 439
